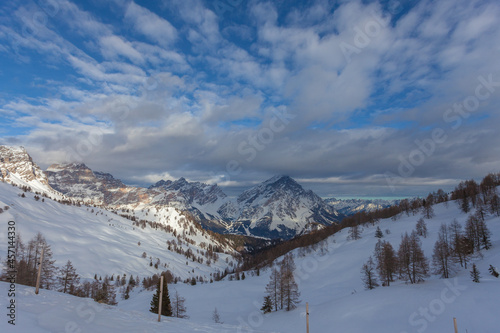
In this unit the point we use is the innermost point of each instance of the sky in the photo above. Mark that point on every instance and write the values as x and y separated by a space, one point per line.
350 98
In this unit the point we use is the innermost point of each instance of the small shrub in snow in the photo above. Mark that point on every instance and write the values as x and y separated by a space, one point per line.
493 271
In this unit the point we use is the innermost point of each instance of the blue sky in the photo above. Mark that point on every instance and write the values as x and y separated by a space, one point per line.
365 98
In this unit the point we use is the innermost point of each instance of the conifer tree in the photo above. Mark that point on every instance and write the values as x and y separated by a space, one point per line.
471 232
465 204
166 309
475 274
413 265
268 304
484 235
105 292
288 287
494 204
421 228
273 288
131 281
216 317
68 278
456 242
354 232
368 274
48 267
126 294
428 211
387 263
441 257
378 233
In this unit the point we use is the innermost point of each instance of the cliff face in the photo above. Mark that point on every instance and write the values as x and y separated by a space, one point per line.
15 162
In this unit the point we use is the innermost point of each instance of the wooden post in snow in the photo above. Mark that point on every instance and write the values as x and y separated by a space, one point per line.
307 317
455 324
160 299
39 273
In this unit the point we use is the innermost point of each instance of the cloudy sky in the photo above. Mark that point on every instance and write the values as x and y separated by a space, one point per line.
351 98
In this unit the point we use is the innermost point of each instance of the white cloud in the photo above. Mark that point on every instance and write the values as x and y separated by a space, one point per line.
149 24
113 46
173 107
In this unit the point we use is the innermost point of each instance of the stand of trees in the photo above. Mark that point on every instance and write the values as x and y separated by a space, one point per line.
28 259
282 290
454 246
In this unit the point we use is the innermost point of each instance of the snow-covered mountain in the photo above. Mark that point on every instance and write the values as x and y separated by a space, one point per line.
79 181
352 206
278 208
17 167
201 200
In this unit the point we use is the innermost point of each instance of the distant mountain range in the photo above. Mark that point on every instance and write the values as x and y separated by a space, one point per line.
352 206
276 208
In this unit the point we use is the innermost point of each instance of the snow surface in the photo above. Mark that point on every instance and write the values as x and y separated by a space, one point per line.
328 278
100 242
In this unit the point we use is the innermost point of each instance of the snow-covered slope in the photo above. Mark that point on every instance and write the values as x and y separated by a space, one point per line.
98 241
329 280
279 208
53 312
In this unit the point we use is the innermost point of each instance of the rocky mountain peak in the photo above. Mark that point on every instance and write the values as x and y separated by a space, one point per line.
275 186
75 166
180 183
160 183
16 162
280 208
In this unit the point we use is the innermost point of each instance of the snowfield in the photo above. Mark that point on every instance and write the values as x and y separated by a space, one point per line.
328 276
98 241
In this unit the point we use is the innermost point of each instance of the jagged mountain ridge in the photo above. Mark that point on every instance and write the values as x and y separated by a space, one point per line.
18 168
78 180
349 207
277 208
